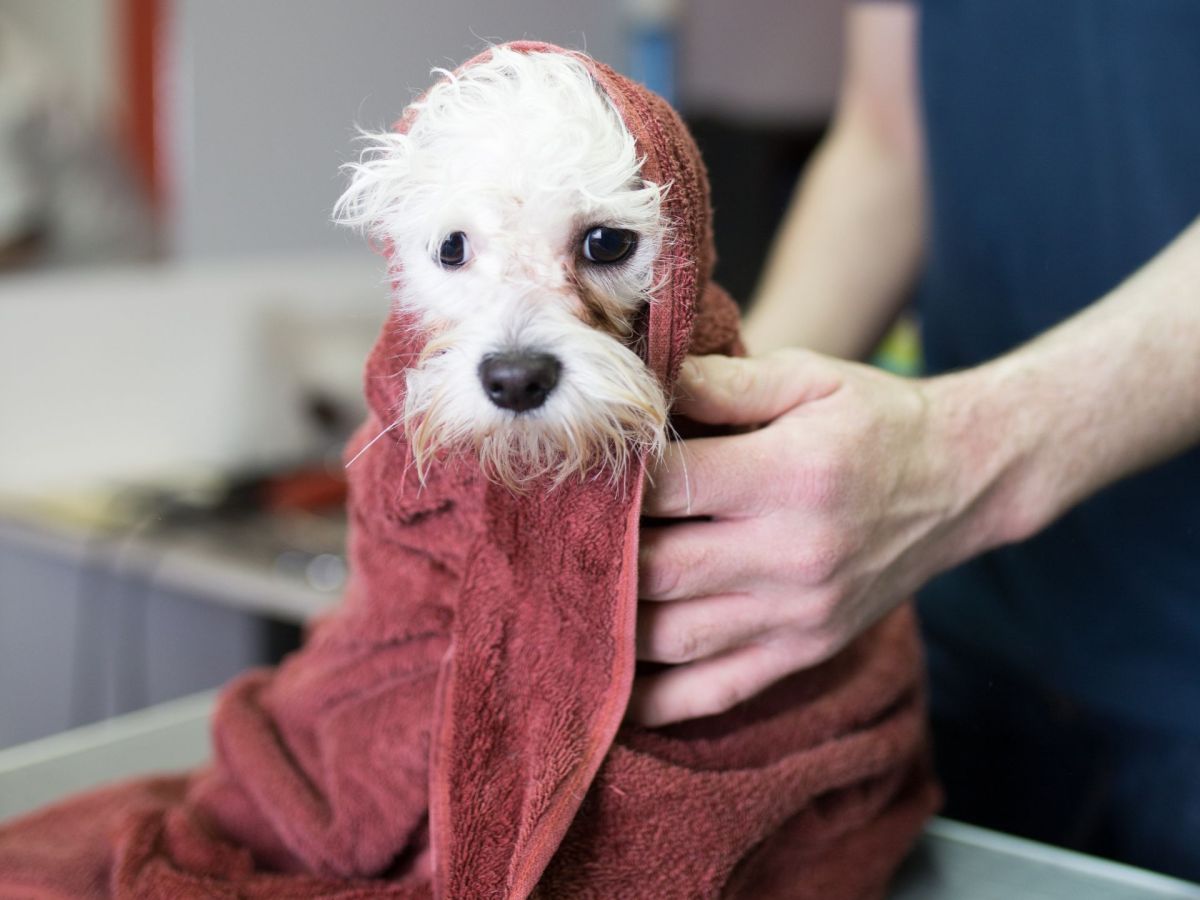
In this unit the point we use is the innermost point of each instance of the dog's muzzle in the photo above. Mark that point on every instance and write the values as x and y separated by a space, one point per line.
519 381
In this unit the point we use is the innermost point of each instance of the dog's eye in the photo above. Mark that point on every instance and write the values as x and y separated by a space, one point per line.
608 245
455 250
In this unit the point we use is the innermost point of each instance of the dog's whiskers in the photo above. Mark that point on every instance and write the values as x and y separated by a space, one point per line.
371 443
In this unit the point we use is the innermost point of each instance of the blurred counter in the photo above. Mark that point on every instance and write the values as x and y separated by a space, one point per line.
287 567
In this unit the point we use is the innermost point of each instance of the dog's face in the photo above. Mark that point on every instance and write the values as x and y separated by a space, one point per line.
525 241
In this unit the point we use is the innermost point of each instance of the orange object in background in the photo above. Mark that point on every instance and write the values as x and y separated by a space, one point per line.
139 35
303 490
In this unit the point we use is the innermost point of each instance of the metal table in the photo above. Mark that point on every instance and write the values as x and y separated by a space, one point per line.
953 861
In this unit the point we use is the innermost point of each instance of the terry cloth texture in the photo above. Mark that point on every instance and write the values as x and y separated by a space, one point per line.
455 729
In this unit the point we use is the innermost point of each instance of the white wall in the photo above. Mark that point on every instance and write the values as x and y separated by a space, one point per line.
129 374
263 98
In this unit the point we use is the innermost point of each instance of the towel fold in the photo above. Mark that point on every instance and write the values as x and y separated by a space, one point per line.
454 729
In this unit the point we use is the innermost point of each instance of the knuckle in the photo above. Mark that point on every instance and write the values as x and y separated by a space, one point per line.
681 567
663 568
663 578
680 646
722 698
689 637
742 380
819 613
817 561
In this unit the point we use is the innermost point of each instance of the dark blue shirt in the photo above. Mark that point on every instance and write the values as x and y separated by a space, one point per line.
1064 152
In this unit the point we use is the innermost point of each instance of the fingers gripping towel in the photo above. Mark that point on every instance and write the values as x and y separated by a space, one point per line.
455 730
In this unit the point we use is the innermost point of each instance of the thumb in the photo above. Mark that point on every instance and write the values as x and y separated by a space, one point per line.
727 390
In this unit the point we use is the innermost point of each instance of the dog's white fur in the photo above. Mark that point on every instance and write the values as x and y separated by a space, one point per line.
525 155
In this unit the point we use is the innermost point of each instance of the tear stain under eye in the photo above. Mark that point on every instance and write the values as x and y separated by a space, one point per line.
599 312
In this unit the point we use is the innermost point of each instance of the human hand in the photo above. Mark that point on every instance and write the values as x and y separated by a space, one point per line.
812 528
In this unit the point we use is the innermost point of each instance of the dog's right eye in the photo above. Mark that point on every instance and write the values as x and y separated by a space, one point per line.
606 245
455 250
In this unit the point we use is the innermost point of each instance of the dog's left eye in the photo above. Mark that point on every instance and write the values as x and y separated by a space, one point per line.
455 250
608 245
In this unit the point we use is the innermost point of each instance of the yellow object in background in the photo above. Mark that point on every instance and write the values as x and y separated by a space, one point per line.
900 350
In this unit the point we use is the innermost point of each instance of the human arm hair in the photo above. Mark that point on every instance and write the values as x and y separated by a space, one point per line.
1111 391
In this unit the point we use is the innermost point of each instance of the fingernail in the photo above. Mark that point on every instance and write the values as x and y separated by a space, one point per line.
691 371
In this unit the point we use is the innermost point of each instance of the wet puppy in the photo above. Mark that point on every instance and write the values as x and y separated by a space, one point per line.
514 206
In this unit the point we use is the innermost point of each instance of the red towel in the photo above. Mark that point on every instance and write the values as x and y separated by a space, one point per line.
455 729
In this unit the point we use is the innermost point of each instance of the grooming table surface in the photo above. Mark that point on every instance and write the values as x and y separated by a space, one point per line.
168 737
952 862
960 862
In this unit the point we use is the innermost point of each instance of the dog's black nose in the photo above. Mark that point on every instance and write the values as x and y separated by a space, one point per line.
519 381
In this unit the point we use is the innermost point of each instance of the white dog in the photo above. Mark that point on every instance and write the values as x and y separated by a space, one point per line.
527 239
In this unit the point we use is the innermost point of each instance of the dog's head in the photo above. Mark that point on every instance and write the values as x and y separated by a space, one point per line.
527 243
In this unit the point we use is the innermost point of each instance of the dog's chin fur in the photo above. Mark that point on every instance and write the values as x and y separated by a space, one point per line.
607 410
523 154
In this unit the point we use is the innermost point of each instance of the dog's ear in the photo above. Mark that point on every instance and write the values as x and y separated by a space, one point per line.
373 201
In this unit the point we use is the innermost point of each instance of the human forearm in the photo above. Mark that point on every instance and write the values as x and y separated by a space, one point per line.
1107 393
846 254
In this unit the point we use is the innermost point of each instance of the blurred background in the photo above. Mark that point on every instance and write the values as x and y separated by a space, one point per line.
182 330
